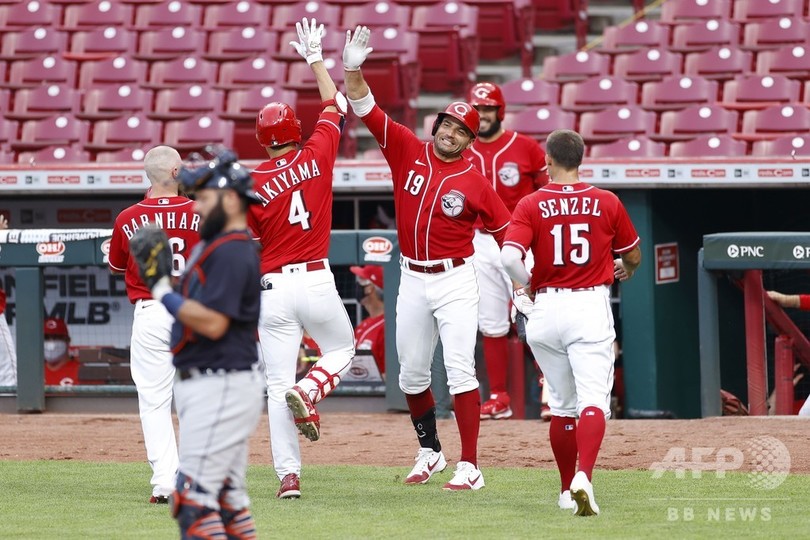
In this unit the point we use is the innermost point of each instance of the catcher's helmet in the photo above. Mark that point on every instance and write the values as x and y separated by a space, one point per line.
488 94
462 112
222 171
276 125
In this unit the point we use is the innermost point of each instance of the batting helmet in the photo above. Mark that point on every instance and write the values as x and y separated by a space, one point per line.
462 112
276 125
488 95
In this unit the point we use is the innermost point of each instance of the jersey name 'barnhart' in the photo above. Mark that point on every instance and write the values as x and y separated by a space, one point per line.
168 221
570 206
277 184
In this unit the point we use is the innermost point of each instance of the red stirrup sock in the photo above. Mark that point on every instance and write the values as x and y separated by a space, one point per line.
590 432
562 434
468 418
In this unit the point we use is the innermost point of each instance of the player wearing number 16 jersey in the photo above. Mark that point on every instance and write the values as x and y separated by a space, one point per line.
150 352
293 225
573 229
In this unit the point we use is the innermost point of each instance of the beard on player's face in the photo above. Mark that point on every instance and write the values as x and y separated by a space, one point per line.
488 129
215 221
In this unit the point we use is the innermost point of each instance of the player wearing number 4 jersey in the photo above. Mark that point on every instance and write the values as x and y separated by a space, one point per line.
150 352
438 197
293 225
573 229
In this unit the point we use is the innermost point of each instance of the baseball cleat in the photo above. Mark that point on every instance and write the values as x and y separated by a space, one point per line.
467 476
304 412
158 499
290 487
566 502
582 493
496 407
428 463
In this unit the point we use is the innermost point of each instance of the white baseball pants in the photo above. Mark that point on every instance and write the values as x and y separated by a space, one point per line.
8 355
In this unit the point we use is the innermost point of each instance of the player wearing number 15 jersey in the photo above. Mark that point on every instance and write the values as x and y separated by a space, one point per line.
150 352
293 225
573 229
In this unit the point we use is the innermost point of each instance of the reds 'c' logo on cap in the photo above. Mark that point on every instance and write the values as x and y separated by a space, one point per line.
462 108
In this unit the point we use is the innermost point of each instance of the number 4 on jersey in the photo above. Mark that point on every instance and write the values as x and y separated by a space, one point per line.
298 211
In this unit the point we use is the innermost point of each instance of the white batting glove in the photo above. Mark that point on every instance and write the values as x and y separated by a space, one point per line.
309 40
356 49
521 303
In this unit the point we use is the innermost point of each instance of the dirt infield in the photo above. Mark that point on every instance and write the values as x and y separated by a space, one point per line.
387 439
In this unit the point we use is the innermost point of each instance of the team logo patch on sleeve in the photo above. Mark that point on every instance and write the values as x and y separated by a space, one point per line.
453 203
509 174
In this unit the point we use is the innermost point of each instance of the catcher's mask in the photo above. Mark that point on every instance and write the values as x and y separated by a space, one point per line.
220 170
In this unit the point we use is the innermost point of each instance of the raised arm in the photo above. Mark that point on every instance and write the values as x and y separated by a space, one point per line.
309 47
354 54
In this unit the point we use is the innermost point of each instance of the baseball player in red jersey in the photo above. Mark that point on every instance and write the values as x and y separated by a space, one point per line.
799 301
438 197
370 333
515 165
573 229
293 225
150 352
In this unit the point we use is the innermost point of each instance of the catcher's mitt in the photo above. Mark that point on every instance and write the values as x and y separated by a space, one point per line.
149 246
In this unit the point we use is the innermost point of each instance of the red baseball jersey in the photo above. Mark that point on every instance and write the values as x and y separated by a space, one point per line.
437 203
573 231
2 301
175 215
512 163
294 221
370 335
66 375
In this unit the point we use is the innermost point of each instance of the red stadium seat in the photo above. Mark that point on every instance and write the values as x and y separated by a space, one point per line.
774 122
239 43
616 123
186 101
285 16
636 147
250 72
641 34
170 43
694 121
681 11
235 15
525 92
448 46
8 131
753 10
705 35
597 93
111 102
791 61
125 132
722 63
575 66
102 43
791 145
44 101
180 71
53 131
538 122
95 14
6 157
775 33
134 155
198 132
66 155
678 92
505 28
553 14
35 72
28 14
119 70
647 65
708 146
759 91
167 14
380 14
31 43
243 105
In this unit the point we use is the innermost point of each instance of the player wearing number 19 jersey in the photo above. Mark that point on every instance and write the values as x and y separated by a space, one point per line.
150 351
293 225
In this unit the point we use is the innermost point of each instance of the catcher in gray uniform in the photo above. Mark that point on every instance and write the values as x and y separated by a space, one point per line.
218 392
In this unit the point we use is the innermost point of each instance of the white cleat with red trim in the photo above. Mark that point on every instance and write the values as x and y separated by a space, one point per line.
428 463
467 476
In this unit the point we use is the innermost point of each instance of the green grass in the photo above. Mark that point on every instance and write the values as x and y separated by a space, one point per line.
70 499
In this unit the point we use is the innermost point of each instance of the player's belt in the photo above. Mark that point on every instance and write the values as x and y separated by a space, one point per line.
543 290
437 268
301 267
191 373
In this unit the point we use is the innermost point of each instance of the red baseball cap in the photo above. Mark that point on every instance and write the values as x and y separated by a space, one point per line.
56 328
370 272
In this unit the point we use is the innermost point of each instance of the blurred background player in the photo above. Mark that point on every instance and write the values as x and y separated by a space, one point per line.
293 225
515 166
150 351
369 334
61 365
438 197
798 301
8 351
